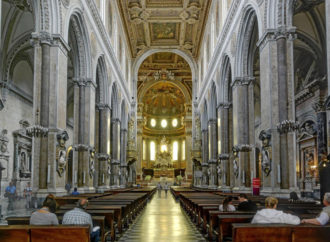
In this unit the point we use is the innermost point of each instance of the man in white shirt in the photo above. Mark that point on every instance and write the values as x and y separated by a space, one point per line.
270 215
323 218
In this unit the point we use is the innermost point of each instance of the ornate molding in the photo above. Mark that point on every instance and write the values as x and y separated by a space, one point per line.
319 106
287 126
224 105
82 147
274 34
242 148
84 82
224 156
37 131
102 106
24 5
242 81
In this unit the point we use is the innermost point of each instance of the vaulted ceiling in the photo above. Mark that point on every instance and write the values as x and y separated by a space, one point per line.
164 24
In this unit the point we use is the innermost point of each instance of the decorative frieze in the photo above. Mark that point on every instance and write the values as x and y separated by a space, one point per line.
37 131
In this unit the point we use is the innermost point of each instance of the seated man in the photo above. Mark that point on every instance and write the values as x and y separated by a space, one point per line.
75 191
78 215
270 215
324 216
245 204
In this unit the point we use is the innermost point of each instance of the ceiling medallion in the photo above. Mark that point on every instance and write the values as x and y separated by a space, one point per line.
163 75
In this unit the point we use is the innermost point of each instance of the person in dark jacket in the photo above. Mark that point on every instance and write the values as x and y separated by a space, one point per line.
245 204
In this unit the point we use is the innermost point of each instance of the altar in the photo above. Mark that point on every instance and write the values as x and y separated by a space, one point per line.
161 172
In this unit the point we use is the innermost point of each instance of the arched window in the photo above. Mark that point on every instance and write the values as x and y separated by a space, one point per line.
175 150
152 150
144 150
183 150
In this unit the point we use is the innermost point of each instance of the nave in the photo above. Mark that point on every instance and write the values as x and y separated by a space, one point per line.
162 220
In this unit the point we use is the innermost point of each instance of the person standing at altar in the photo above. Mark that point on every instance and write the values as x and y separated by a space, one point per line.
159 189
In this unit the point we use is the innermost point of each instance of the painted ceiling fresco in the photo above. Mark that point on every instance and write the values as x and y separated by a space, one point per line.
164 24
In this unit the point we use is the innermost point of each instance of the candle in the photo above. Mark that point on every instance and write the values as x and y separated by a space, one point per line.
278 174
103 178
84 177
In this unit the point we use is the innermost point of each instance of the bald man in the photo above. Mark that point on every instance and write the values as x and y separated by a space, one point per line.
79 215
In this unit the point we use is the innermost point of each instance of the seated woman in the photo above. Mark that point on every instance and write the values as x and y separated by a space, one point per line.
227 205
271 215
45 215
324 216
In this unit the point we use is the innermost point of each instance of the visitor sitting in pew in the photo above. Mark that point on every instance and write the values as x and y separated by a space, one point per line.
45 215
271 215
227 205
79 216
245 204
324 216
75 191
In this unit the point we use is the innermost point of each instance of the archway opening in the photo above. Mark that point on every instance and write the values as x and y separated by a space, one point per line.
164 96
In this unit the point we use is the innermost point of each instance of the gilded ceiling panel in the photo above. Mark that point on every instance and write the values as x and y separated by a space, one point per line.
177 24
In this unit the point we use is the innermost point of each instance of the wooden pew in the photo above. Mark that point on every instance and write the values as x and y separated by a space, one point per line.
97 221
226 221
35 233
280 232
18 233
108 214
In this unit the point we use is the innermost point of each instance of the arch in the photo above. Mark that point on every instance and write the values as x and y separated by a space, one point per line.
101 81
225 80
243 51
179 85
212 111
81 44
204 116
124 115
115 102
139 60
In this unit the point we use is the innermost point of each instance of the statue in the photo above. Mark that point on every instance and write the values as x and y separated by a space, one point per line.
23 166
91 163
235 163
61 156
219 171
265 137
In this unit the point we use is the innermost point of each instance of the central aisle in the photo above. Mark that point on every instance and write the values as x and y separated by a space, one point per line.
162 220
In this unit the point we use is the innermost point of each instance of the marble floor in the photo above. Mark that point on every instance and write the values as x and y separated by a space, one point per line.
162 220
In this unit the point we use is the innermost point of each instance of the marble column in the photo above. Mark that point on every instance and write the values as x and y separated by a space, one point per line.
115 155
84 98
50 58
223 127
205 153
241 130
213 179
123 157
103 178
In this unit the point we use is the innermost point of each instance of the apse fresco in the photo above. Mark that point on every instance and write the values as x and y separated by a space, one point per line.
163 99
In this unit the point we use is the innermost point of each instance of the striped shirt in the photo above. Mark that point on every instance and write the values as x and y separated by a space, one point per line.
78 216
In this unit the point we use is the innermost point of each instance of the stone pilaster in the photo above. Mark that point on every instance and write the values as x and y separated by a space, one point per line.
84 98
241 130
115 152
103 158
278 108
213 178
205 153
123 157
50 71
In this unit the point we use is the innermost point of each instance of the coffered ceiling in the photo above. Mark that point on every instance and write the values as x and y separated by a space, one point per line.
164 24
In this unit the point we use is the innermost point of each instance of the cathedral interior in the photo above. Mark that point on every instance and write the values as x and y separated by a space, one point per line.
101 95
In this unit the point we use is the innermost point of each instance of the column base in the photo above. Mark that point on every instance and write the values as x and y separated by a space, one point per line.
277 192
102 189
213 187
225 189
86 189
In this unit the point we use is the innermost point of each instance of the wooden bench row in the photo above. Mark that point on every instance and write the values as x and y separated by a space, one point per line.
31 233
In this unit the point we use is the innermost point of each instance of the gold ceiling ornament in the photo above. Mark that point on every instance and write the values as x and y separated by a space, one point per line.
164 75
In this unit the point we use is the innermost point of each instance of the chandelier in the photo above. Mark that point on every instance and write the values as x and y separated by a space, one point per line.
163 75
